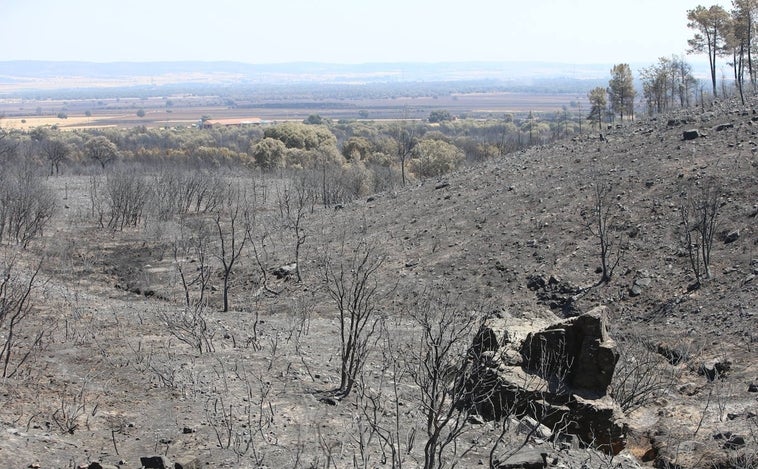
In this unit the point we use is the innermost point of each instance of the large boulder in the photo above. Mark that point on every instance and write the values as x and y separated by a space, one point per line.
578 349
557 374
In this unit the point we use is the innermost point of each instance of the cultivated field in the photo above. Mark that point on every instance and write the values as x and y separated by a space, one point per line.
187 110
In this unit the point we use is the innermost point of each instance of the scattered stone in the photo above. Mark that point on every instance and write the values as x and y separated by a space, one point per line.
722 127
154 462
567 441
714 369
535 282
731 441
735 442
284 272
97 465
672 354
329 400
441 185
641 282
753 387
691 134
189 463
529 425
556 294
525 458
677 122
187 430
731 236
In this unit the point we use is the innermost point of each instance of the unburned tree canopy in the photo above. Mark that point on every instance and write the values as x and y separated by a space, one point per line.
56 152
356 148
666 83
440 116
712 26
621 90
314 119
301 136
101 150
269 154
433 158
598 100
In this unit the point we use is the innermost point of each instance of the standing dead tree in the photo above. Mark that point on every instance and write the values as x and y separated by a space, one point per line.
26 205
405 138
600 223
699 211
442 370
642 373
127 195
259 237
230 222
293 201
190 252
351 282
8 146
381 404
15 308
191 327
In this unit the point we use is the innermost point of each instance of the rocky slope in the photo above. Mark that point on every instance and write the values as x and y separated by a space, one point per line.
510 237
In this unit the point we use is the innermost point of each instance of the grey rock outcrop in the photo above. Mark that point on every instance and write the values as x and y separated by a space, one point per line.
557 374
577 350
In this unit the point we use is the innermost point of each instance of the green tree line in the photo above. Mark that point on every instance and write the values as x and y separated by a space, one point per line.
392 151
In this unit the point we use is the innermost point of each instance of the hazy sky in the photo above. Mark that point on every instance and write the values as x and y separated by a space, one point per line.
344 31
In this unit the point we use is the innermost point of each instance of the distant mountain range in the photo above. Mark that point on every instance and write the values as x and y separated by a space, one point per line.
304 71
24 76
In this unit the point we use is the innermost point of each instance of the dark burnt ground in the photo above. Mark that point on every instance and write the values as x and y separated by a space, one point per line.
486 234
